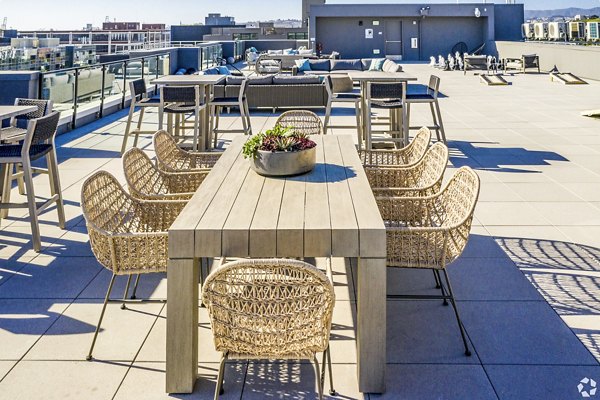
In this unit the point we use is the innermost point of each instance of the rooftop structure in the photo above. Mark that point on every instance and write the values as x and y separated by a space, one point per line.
218 19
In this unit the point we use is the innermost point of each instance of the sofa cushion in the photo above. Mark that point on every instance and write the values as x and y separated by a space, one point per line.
377 64
223 70
234 80
211 71
320 65
260 80
275 52
295 80
391 66
303 65
348 65
341 83
59 80
305 52
84 74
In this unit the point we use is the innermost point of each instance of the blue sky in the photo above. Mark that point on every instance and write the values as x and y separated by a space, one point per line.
72 14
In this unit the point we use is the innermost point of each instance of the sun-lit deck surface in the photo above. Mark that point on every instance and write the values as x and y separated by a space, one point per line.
528 284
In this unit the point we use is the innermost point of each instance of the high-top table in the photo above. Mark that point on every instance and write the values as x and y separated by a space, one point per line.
363 77
330 211
206 83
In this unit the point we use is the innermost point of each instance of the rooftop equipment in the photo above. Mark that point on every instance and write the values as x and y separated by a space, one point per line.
527 31
557 31
541 30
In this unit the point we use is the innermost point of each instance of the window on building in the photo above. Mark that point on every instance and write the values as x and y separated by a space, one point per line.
297 35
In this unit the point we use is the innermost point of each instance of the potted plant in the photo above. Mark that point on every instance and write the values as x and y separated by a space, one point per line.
281 151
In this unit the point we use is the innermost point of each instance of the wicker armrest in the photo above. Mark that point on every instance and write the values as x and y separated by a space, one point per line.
418 247
382 157
406 211
204 159
158 216
185 182
392 177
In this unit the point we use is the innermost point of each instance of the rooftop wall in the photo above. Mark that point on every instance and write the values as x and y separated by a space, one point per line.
342 28
579 60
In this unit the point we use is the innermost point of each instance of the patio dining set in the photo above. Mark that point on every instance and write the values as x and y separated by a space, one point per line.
192 211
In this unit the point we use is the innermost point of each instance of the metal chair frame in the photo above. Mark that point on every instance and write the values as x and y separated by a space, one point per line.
434 106
216 105
333 97
139 99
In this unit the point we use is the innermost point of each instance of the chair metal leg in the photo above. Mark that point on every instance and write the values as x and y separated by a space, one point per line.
219 388
327 355
435 122
460 325
440 286
318 376
33 217
110 286
126 291
135 286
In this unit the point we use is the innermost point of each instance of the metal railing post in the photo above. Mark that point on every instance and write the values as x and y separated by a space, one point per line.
143 67
157 73
124 84
75 100
41 87
102 95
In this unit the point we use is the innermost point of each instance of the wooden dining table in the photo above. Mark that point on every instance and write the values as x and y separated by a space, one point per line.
363 77
206 84
328 212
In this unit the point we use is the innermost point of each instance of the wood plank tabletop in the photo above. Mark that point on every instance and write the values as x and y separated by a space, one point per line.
13 111
330 211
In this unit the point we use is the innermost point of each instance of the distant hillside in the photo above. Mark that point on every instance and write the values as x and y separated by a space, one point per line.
564 12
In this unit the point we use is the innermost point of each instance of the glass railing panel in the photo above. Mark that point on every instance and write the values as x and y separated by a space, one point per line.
59 86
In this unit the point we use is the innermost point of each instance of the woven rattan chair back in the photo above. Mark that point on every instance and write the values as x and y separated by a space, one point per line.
269 309
409 155
126 234
172 158
301 121
432 165
459 197
143 177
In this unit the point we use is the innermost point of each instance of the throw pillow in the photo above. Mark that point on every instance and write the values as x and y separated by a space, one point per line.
303 65
223 70
377 64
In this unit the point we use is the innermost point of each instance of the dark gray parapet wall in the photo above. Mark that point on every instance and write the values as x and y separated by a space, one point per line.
23 84
582 61
436 28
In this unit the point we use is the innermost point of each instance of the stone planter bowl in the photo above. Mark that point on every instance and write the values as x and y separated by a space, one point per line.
284 163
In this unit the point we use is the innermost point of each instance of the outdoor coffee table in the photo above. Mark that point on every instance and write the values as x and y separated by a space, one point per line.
330 211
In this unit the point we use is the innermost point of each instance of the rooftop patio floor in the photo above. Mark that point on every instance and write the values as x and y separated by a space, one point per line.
528 284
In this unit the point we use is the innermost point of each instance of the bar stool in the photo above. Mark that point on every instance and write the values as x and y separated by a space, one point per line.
344 97
218 103
139 98
178 101
17 129
431 98
38 143
389 96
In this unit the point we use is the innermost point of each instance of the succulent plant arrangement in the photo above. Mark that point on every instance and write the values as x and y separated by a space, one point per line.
278 139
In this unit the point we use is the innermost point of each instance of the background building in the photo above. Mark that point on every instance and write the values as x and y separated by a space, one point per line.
218 19
412 32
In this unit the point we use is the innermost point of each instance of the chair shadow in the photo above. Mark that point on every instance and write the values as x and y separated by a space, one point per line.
499 159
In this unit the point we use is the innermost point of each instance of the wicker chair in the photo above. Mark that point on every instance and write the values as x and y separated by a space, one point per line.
432 232
128 236
301 121
145 181
172 158
270 309
407 156
421 179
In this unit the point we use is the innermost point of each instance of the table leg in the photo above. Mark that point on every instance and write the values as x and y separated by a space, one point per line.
204 139
371 326
365 116
182 325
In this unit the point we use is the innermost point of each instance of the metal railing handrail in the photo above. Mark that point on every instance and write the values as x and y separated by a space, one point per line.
104 68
